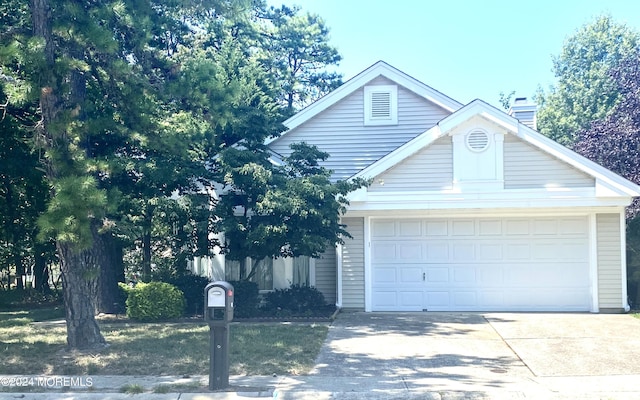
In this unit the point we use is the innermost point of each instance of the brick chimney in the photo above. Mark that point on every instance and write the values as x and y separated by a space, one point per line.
524 111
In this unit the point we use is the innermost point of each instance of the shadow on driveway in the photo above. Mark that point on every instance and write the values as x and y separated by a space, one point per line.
418 346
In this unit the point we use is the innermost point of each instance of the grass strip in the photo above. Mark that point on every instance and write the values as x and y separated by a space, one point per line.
157 348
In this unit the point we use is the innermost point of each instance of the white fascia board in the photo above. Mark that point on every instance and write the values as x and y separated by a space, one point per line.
524 198
400 154
482 109
378 69
484 212
600 173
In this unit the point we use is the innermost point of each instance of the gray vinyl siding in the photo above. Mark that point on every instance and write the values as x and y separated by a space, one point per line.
352 146
429 169
526 167
326 275
609 261
353 265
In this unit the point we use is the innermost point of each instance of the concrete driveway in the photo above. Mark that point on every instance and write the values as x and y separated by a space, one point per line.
524 353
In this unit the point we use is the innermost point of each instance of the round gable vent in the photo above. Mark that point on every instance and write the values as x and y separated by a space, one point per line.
477 140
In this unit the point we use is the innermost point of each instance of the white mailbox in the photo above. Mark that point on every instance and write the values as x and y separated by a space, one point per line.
218 302
216 297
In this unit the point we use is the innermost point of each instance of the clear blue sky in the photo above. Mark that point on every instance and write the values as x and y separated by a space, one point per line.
466 49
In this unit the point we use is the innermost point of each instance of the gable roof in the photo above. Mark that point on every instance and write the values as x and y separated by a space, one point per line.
380 68
512 125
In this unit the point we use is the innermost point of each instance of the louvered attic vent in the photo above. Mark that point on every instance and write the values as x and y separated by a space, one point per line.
380 105
477 140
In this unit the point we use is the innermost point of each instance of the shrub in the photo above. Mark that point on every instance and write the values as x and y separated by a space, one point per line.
123 295
193 288
246 299
296 298
155 301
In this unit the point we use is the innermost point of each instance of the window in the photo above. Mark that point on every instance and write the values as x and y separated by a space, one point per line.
263 276
381 105
301 271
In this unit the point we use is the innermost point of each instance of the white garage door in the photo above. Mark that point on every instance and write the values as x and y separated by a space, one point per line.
480 264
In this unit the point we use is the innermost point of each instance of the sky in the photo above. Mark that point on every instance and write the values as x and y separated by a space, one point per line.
463 48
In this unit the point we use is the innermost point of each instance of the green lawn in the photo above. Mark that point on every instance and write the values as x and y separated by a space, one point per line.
29 347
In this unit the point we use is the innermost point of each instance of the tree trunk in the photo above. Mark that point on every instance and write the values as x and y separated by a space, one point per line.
17 260
15 249
80 271
79 268
146 243
111 273
40 271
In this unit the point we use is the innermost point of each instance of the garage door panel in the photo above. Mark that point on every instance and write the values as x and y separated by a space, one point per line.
491 227
384 251
517 227
410 275
517 251
490 251
545 251
437 275
385 275
411 299
463 251
548 226
465 299
410 251
490 275
437 228
464 276
467 264
463 228
437 251
385 300
435 299
573 226
490 299
383 229
410 228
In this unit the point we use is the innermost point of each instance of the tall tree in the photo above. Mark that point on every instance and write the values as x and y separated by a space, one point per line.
584 91
297 52
100 69
614 143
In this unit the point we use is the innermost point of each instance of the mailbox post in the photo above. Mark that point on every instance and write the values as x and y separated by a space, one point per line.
218 312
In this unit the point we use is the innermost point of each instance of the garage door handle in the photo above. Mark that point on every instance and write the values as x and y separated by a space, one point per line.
424 277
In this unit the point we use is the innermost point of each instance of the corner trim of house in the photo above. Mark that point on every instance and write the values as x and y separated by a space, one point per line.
339 276
367 264
623 259
312 272
593 261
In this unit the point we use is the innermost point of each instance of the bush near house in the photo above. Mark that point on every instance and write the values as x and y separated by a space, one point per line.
246 299
155 301
192 286
295 299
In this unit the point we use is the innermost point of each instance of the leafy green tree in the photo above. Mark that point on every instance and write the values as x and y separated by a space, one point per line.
297 52
23 197
614 143
99 70
585 91
287 210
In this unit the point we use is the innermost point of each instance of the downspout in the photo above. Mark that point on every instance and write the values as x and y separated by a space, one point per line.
339 276
623 257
